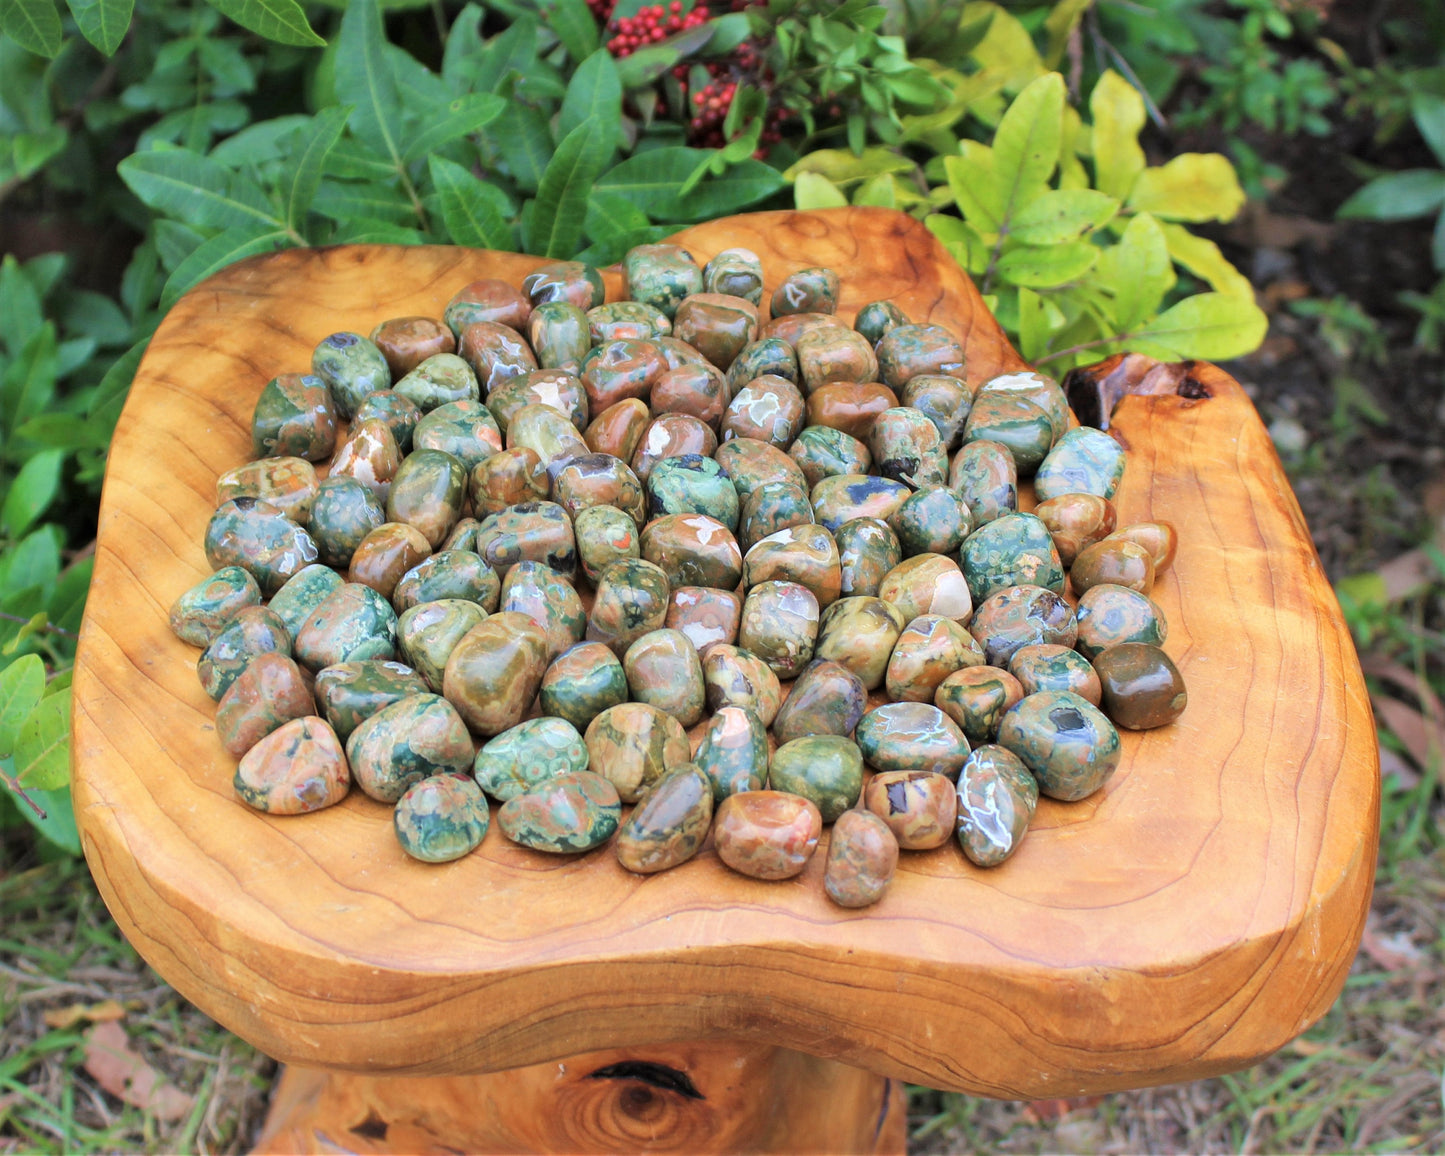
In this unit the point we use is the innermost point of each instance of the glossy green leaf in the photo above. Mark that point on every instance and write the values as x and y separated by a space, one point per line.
30 379
574 25
1437 242
1397 196
1033 327
610 216
462 116
815 191
21 312
1118 113
110 394
557 214
1062 215
975 186
1211 326
1045 268
215 254
344 201
22 684
1026 145
842 168
102 22
1203 258
32 491
280 20
512 51
961 240
1191 187
32 24
311 148
1136 272
67 602
878 191
525 142
196 190
1428 111
42 744
595 93
364 79
369 231
469 207
742 185
650 181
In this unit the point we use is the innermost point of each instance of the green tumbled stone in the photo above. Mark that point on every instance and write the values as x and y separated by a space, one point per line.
575 282
295 416
1014 550
626 321
812 290
547 432
668 824
439 379
908 350
1109 615
1140 685
448 574
661 276
582 682
260 539
307 589
440 818
805 554
983 474
1068 743
911 736
565 815
598 480
1011 421
351 366
693 550
931 521
824 452
352 624
252 631
465 429
549 600
494 671
877 319
930 649
943 400
928 584
604 535
664 671
996 799
406 342
530 532
780 626
428 634
507 479
289 484
344 513
1019 616
521 759
490 299
860 632
770 508
733 754
560 335
496 353
1042 391
736 272
351 692
271 691
692 484
751 463
1048 666
826 699
867 550
771 355
733 676
199 614
632 745
631 599
831 354
767 409
399 414
560 390
906 447
1085 461
827 770
846 497
405 742
717 325
976 698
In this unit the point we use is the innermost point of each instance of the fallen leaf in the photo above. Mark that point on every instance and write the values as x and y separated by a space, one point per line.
1408 725
1392 765
1041 1111
76 1013
1396 952
120 1071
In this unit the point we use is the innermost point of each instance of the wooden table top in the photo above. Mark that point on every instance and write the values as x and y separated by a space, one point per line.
1190 918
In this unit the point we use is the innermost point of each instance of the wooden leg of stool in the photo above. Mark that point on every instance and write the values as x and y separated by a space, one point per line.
711 1097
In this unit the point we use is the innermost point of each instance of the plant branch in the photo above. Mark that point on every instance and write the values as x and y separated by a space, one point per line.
14 785
47 628
1083 346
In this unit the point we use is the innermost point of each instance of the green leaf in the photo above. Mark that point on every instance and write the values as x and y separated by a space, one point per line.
1137 272
368 231
30 378
278 20
1060 26
1437 242
1026 146
32 24
344 201
32 491
1203 258
42 745
842 168
1118 113
961 240
62 431
741 185
1428 111
879 191
1045 268
513 51
975 186
610 216
470 207
1191 187
311 149
110 394
196 189
1210 326
594 92
365 80
815 191
58 825
1062 215
22 684
33 561
525 142
463 116
651 61
650 181
21 312
574 25
1006 50
554 227
221 250
67 603
1397 196
102 22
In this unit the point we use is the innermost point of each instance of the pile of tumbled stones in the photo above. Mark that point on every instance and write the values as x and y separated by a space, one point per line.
751 504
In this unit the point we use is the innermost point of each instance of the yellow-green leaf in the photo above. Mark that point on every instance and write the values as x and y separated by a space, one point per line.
1073 143
975 186
842 168
876 191
42 745
1026 146
1211 326
1007 51
963 244
1118 112
1191 187
1060 26
814 191
1062 215
1047 267
966 92
1033 329
1203 258
1136 272
22 684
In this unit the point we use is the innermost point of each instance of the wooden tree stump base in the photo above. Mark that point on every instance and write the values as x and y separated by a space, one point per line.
698 1098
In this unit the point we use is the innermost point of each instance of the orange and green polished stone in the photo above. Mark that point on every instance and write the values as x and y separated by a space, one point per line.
862 857
604 535
307 589
1076 521
860 632
428 633
260 539
706 615
344 513
813 290
438 380
1014 550
1085 461
440 818
867 550
530 532
943 400
737 272
353 623
671 435
1014 422
823 452
549 600
780 626
1066 742
1161 539
406 342
352 367
269 692
920 807
351 692
565 815
697 390
751 463
253 631
632 745
619 369
1048 666
489 299
664 671
582 682
631 599
560 335
669 823
1036 388
984 475
773 507
617 430
827 770
522 758
463 538
770 355
833 354
997 796
1114 561
906 447
976 698
931 521
295 417
464 429
405 742
661 276
877 319
198 615
842 498
826 699
733 754
692 484
495 354
908 350
386 554
766 835
574 282
493 673
930 649
599 480
1019 616
911 736
428 492
1140 685
693 550
852 407
717 325
805 554
397 413
561 390
370 454
289 484
791 326
733 676
928 584
448 574
768 409
507 479
298 768
1108 615
548 432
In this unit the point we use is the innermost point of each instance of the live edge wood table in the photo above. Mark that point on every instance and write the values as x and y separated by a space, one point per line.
1189 919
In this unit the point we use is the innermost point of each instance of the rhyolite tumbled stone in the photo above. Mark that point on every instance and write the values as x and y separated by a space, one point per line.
1042 391
672 435
733 676
565 815
770 355
295 416
298 768
488 299
493 673
387 553
1108 615
618 429
908 350
448 574
663 670
693 550
770 409
463 538
351 692
508 479
920 807
559 389
289 484
404 743
604 535
706 615
823 452
1012 421
352 624
260 539
851 407
791 326
269 692
733 754
697 390
464 429
843 498
428 633
813 290
370 454
983 474
631 599
439 379
826 699
1085 461
633 744
1117 562
1049 666
911 736
493 353
254 631
626 321
405 342
692 484
718 325
876 319
931 521
198 615
780 626
440 818
307 589
997 796
751 463
549 600
582 682
906 447
599 480
930 649
620 369
928 584
397 413
344 513
867 550
575 282
547 432
736 272
806 554
530 532
668 824
1066 742
766 834
1161 539
860 633
352 367
522 758
830 354
976 698
827 770
1076 521
1019 616
1013 550
862 856
1140 686
945 401
560 335
661 276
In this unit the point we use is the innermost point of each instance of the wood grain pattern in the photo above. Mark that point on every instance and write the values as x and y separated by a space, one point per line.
1192 917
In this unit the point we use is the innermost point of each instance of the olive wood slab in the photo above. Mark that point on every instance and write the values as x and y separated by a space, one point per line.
1192 917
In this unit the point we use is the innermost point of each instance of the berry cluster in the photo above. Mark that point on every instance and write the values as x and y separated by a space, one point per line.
650 25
